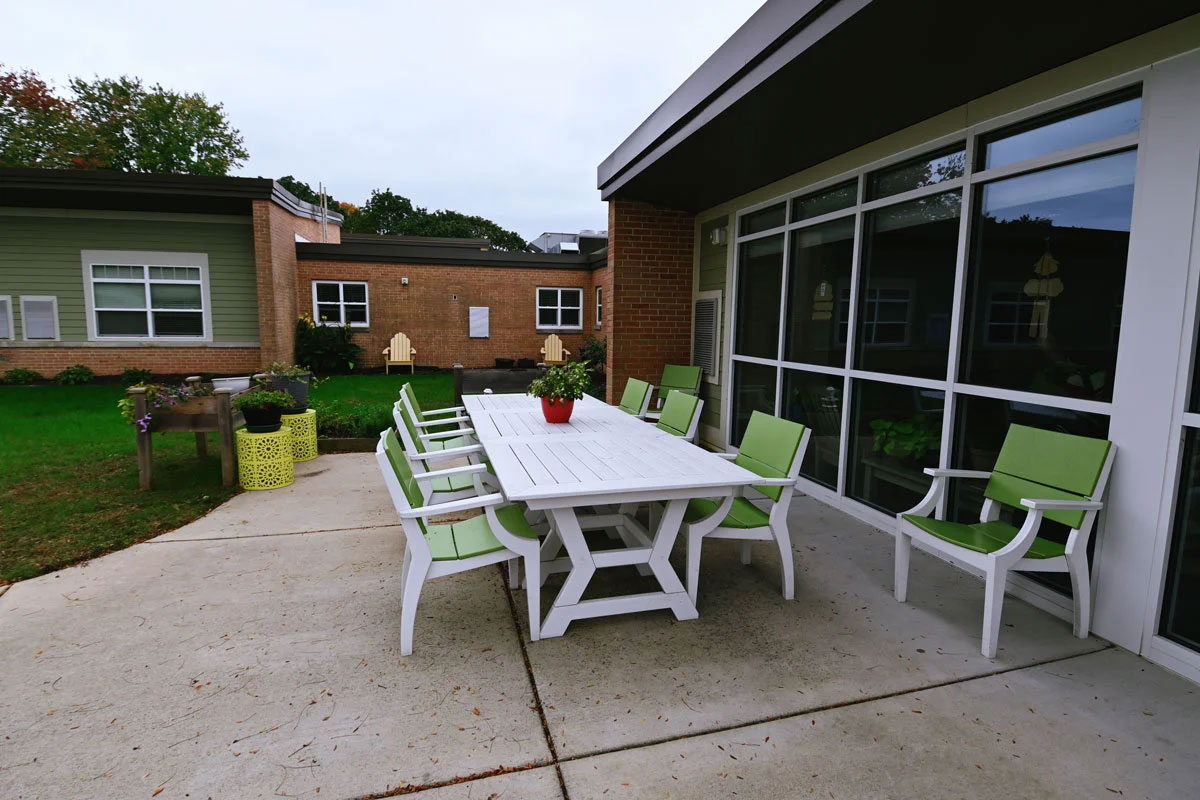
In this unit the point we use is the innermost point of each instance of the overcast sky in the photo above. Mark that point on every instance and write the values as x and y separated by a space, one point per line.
501 109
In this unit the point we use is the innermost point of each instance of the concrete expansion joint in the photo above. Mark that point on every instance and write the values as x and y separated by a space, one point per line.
264 535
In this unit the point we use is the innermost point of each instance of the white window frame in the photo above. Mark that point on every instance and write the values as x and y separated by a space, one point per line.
40 298
558 307
342 303
8 332
599 307
145 259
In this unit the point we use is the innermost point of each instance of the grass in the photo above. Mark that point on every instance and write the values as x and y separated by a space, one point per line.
68 470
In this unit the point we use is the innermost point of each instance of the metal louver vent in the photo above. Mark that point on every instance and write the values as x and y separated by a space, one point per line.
705 335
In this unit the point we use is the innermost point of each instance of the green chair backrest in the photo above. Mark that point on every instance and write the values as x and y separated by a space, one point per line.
413 433
677 413
633 399
404 473
769 449
678 378
1047 465
408 392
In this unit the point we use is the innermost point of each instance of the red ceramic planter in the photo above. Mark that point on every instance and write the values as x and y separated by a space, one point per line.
558 411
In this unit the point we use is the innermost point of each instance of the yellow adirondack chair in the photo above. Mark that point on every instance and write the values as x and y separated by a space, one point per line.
399 353
553 352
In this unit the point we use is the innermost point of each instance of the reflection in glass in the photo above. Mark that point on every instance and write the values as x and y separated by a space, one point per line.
178 323
1076 126
753 390
825 201
122 323
1180 620
896 432
981 423
907 281
815 401
924 170
759 283
818 273
1047 274
763 220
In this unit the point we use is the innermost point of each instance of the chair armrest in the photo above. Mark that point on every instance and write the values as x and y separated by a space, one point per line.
774 482
433 422
446 434
453 452
454 506
652 416
445 473
447 410
934 472
726 456
1062 505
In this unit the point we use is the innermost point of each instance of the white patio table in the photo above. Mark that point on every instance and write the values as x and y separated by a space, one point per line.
603 456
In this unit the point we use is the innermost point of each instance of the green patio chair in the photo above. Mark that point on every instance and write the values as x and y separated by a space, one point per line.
681 415
431 551
1048 475
773 448
422 450
427 419
676 378
636 398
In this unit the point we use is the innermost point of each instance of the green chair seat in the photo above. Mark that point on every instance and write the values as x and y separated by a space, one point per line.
983 537
436 445
453 483
474 537
743 514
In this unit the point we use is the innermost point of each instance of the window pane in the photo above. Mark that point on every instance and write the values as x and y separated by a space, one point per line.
120 295
330 312
1081 126
815 401
178 323
923 171
328 293
896 433
356 314
548 316
5 318
763 220
1181 594
547 297
175 295
825 201
760 274
572 298
113 271
981 423
354 292
175 273
753 390
1047 276
818 270
907 281
122 323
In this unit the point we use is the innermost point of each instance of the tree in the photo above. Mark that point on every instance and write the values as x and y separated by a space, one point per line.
36 128
389 213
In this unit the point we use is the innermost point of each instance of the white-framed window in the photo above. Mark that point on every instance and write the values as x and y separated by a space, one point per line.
39 317
1009 317
559 309
6 317
341 303
599 307
146 295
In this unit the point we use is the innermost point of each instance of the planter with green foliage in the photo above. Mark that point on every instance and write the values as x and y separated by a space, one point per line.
263 408
290 378
559 388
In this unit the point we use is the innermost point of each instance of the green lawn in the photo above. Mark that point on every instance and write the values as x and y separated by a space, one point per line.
68 472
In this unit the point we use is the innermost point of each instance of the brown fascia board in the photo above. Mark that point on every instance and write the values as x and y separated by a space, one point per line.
427 241
393 253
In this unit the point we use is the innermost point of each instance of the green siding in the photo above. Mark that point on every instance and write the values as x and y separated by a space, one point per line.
41 255
711 413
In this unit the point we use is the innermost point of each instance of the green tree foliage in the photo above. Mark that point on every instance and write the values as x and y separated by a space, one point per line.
114 123
389 213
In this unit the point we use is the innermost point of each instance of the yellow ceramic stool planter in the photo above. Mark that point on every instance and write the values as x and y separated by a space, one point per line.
265 459
304 434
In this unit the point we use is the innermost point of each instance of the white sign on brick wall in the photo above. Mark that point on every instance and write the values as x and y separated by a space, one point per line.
478 319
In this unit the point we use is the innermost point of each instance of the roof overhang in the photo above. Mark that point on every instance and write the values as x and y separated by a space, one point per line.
363 250
804 80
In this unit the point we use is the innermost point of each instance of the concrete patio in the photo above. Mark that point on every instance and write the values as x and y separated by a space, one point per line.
254 653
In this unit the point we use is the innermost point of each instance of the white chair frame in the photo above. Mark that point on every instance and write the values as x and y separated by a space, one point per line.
996 566
420 462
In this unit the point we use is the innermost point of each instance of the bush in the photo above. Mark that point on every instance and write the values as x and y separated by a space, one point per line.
349 419
594 350
134 375
19 376
326 349
75 375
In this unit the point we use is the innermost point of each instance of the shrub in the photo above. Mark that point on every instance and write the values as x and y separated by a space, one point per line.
19 376
594 351
348 419
327 349
75 375
134 375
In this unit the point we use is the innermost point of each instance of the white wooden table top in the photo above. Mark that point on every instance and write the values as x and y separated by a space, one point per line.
601 453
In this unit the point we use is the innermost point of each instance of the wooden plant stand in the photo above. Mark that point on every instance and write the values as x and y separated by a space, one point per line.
198 415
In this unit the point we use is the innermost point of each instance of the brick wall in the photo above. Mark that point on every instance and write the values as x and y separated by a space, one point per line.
437 323
49 360
648 291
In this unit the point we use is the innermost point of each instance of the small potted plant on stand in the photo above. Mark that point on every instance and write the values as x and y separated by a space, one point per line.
290 378
263 408
559 388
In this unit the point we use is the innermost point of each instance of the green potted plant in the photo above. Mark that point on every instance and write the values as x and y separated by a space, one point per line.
291 378
262 409
559 388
